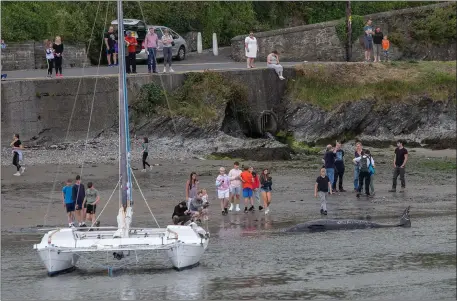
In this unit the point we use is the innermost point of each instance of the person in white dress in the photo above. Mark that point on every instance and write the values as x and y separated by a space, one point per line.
250 46
273 62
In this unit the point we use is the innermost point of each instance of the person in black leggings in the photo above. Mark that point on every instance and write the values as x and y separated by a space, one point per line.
58 50
145 153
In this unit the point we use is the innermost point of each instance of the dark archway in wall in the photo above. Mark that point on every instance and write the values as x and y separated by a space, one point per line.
267 123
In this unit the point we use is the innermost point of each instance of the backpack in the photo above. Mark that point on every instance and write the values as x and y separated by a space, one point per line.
363 164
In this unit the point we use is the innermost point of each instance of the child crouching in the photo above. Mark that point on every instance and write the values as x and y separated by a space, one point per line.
198 206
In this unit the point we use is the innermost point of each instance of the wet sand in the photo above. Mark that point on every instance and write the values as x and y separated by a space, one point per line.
26 200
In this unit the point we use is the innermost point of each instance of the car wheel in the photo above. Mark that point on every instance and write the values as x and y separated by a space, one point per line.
181 54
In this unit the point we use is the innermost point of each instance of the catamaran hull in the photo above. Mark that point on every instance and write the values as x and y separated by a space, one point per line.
60 249
57 262
186 256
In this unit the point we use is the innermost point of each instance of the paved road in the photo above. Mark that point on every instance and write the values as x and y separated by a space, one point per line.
141 69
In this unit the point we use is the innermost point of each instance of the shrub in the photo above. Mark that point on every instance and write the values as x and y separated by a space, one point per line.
358 22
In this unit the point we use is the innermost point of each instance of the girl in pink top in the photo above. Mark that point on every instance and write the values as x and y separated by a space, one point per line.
223 189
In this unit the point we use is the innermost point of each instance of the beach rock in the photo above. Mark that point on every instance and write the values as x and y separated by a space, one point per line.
419 121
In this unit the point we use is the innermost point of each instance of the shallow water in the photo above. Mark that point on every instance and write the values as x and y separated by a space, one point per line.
249 259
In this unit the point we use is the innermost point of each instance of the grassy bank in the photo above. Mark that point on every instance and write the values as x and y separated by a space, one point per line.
329 84
202 98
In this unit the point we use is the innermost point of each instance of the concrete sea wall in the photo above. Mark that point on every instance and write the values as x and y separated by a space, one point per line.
320 42
31 55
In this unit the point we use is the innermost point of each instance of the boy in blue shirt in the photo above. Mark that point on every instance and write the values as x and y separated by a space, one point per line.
68 203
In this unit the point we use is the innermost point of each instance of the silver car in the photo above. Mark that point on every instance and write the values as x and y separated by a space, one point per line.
178 50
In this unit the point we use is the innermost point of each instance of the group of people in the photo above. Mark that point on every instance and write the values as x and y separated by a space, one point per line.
80 204
250 46
230 188
375 39
364 170
53 53
150 44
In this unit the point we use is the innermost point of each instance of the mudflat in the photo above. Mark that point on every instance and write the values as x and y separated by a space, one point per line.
35 198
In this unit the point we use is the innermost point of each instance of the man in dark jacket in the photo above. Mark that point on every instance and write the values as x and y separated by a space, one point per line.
181 215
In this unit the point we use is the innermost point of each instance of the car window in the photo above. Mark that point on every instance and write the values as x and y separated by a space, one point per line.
174 34
141 26
159 33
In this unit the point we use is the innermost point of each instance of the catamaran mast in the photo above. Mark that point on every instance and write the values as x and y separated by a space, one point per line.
124 147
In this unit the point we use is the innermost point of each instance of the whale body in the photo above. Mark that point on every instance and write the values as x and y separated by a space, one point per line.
347 224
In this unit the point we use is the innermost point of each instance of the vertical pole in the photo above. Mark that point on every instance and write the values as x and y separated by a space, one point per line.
348 31
122 107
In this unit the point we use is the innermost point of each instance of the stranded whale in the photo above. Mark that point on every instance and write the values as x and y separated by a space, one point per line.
346 224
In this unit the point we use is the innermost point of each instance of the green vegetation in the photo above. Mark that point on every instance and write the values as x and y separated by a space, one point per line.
437 28
203 98
330 84
73 20
297 146
357 24
438 165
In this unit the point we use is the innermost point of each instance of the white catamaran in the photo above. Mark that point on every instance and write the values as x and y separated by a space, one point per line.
61 248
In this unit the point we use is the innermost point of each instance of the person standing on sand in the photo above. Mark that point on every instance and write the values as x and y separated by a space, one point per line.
357 153
191 188
400 159
78 195
248 180
265 189
68 204
90 203
223 189
364 174
256 188
339 168
321 188
235 186
17 146
329 163
145 146
250 46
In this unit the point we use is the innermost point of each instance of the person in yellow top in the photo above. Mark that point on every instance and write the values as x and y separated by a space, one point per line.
385 48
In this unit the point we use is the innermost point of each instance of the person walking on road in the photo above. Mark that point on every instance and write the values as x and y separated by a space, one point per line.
250 45
400 159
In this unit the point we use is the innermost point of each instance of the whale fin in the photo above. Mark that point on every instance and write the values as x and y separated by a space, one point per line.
405 220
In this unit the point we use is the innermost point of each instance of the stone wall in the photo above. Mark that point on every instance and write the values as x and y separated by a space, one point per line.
30 55
41 108
319 42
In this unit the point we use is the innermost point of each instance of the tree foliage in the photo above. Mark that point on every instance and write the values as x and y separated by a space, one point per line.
73 21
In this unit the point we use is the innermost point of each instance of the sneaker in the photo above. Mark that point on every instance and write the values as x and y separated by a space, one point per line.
368 195
22 170
322 211
260 208
17 174
231 207
372 193
358 195
237 207
267 211
251 208
110 65
342 190
143 170
164 69
70 225
392 190
402 189
245 209
83 225
117 64
282 78
223 212
97 224
325 212
171 70
150 167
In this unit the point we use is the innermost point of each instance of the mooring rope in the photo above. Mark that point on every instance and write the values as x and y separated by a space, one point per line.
141 192
109 199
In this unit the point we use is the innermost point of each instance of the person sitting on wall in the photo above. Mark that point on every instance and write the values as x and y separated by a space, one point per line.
273 62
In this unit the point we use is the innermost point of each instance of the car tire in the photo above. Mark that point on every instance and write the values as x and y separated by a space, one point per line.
181 54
